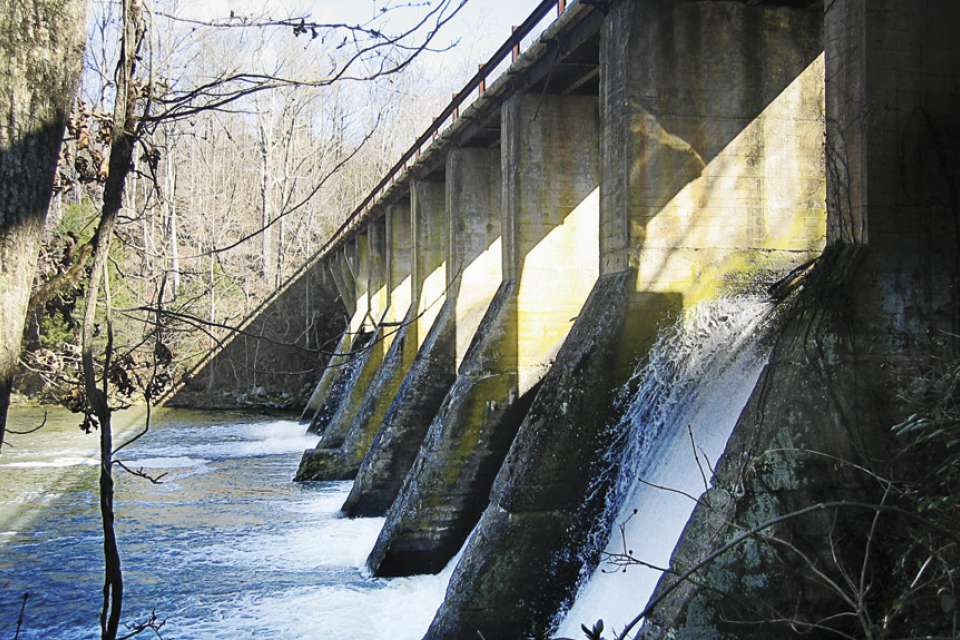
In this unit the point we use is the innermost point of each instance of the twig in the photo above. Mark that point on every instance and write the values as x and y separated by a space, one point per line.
140 473
23 608
693 445
28 431
820 506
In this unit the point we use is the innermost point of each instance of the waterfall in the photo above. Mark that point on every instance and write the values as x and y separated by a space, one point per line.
689 392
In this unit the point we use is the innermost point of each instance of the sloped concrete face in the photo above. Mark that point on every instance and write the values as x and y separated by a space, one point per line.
367 262
863 327
509 581
342 369
549 169
399 327
329 390
338 358
396 444
473 207
438 502
711 176
369 358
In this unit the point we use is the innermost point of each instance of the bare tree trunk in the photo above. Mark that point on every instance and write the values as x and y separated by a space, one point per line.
121 158
172 221
280 254
41 53
266 238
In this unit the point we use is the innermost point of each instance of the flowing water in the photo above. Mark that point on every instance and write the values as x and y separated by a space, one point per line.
226 547
685 402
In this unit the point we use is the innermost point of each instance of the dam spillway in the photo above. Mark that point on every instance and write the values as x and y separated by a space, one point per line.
640 159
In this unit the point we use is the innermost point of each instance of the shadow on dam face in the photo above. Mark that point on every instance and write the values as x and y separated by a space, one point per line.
548 273
474 255
713 173
276 356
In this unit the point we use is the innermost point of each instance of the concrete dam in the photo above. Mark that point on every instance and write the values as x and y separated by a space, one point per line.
670 239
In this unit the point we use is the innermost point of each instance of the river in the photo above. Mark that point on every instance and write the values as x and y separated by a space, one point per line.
226 547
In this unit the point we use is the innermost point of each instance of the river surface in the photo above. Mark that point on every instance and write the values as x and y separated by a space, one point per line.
226 547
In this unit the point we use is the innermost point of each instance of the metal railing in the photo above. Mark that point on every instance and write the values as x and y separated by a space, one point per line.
478 83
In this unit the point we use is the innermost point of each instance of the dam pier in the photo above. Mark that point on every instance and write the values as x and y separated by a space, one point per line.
482 309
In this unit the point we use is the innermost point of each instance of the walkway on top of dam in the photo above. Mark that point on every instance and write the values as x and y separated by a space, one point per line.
554 50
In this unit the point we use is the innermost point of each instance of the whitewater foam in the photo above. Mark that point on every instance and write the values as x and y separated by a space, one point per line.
687 399
56 463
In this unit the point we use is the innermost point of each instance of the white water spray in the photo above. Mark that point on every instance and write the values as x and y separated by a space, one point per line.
687 399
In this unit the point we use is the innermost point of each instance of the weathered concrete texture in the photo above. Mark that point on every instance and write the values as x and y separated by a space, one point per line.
431 230
395 446
525 556
725 162
862 330
447 486
337 375
367 363
398 338
343 367
327 394
416 271
344 286
348 390
378 292
280 354
472 189
342 462
378 301
476 257
358 263
713 172
549 164
550 168
356 369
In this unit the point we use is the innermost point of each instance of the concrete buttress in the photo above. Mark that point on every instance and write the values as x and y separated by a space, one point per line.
549 207
712 164
366 352
400 346
871 317
472 195
338 358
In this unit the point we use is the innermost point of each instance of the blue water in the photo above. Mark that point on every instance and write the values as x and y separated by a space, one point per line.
226 547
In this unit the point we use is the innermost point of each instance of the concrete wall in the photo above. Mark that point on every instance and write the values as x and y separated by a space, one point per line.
367 350
337 358
399 261
535 287
423 268
880 295
430 229
476 248
472 197
550 173
335 459
551 178
280 353
713 176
